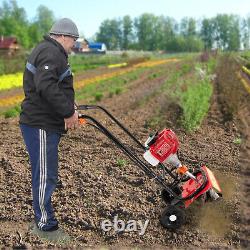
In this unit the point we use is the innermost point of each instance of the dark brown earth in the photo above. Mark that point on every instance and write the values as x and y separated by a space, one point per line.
100 182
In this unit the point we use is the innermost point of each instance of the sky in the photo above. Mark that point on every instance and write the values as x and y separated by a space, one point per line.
89 14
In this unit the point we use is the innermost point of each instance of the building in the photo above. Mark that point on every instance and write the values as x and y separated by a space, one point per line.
8 45
84 46
98 47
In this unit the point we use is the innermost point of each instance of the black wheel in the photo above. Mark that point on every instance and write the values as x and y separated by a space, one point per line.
172 217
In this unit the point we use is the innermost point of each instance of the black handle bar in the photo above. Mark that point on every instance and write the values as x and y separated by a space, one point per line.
86 107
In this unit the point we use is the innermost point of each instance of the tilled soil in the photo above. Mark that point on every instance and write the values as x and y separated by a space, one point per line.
99 182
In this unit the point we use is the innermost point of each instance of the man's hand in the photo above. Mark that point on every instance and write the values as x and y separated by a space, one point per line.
71 122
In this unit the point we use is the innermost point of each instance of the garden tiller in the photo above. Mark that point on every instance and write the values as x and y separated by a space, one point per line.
180 186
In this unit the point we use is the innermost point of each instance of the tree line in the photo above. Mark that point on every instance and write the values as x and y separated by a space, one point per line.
150 32
146 32
14 22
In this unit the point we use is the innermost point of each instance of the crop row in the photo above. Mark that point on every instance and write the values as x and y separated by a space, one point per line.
11 81
15 80
246 70
244 82
13 100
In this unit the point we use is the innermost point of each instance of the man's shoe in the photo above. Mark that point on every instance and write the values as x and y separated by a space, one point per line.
58 236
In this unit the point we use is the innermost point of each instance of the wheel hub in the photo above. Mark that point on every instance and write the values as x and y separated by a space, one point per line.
172 218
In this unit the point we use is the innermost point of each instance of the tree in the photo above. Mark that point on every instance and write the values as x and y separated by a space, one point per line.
207 33
234 37
159 33
44 19
188 27
227 33
110 33
127 32
165 32
145 27
41 25
13 22
192 42
103 33
246 33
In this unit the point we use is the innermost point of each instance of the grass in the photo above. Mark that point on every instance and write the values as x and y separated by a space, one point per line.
188 91
186 68
98 96
153 75
12 112
194 95
195 103
93 93
115 91
246 56
81 62
159 117
13 64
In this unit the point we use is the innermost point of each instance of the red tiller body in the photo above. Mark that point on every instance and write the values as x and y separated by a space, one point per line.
191 185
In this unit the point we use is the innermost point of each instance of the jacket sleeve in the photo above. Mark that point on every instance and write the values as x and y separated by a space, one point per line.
46 81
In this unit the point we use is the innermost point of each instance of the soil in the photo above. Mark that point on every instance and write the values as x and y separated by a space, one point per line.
100 182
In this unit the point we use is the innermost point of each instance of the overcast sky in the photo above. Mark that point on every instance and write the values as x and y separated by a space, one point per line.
88 14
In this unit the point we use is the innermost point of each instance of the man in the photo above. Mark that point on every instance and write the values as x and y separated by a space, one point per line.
47 111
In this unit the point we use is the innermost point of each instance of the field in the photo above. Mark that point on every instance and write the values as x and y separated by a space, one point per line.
205 99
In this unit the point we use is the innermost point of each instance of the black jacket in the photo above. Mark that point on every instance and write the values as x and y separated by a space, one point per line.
48 87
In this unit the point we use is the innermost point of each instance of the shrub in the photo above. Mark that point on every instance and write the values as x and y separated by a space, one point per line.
13 112
98 96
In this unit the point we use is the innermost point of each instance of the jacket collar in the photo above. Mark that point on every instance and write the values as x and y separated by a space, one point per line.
49 39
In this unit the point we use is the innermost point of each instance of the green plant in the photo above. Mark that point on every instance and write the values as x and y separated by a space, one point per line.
13 112
115 91
186 68
152 76
195 103
118 90
121 162
237 141
211 65
98 96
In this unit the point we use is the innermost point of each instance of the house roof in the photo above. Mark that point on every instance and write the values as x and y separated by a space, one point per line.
7 42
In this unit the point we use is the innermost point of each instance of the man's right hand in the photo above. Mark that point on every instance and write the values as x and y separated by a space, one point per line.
71 122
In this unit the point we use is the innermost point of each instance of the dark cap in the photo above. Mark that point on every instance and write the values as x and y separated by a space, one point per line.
64 26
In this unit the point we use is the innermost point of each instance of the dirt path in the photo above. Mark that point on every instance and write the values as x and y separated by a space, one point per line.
99 182
235 100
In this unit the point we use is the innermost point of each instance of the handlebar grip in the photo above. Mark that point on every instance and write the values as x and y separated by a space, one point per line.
82 121
83 107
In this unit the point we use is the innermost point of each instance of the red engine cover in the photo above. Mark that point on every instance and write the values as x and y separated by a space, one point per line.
165 145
